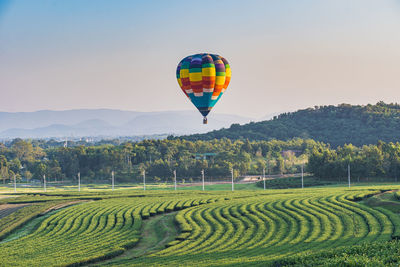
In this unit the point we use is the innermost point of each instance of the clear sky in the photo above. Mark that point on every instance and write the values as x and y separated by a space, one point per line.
284 54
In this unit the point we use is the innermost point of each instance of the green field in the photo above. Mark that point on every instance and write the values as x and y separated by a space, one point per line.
329 225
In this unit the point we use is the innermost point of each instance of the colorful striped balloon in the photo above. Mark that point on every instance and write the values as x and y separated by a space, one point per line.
203 78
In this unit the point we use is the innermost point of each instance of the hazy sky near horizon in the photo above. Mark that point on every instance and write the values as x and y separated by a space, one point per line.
284 55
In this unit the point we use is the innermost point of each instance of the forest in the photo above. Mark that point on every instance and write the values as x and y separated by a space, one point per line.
381 160
158 158
31 160
334 125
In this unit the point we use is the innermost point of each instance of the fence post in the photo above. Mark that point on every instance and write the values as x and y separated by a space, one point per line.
44 182
144 180
202 176
348 173
175 179
233 187
264 177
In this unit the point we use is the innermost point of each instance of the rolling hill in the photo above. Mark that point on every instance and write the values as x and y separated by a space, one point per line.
336 125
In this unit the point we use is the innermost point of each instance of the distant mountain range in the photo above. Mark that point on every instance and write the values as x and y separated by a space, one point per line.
108 123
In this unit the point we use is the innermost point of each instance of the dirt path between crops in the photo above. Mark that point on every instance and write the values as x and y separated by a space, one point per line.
145 247
387 192
7 209
63 205
6 196
149 242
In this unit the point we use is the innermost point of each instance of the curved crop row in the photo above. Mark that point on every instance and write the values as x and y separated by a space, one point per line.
264 228
241 228
88 232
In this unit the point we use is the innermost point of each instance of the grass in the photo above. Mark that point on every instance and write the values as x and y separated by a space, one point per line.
9 190
26 229
386 201
157 232
22 216
222 187
374 254
216 227
99 230
295 182
233 232
280 183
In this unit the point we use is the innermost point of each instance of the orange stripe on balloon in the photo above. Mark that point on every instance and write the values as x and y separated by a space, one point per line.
227 80
217 91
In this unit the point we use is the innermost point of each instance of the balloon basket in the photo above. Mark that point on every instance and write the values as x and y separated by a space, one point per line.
205 120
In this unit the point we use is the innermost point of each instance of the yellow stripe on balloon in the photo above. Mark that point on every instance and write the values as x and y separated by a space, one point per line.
228 72
184 73
208 72
195 76
220 80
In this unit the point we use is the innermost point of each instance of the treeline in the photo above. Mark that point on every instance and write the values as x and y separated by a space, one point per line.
381 160
159 158
31 160
334 125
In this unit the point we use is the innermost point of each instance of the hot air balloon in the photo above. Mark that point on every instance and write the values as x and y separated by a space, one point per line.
203 78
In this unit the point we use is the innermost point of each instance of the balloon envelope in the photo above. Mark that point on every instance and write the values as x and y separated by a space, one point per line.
203 78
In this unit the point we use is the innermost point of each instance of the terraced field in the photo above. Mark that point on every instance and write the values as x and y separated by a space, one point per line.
89 231
216 228
264 228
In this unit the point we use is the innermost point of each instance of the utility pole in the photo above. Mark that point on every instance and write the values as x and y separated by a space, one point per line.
112 180
302 175
44 182
348 173
233 185
175 179
79 181
15 184
264 177
202 177
144 180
